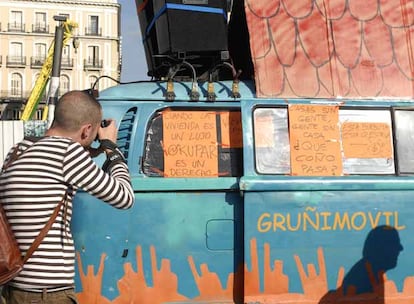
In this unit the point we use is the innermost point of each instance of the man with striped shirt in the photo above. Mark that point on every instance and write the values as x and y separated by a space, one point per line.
33 185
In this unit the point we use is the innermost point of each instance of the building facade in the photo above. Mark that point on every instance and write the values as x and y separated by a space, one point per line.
27 29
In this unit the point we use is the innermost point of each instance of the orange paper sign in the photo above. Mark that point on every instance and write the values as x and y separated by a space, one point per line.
231 130
314 140
190 144
366 140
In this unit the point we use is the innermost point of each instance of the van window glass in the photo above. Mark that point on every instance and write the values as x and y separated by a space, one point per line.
404 133
271 138
366 143
194 144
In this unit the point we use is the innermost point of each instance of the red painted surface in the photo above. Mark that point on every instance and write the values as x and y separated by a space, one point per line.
332 48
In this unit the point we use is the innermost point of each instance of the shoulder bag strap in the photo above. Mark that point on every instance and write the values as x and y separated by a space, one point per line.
45 229
13 156
49 223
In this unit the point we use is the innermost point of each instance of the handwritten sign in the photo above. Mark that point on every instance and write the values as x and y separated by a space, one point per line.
190 144
366 140
314 140
231 130
263 131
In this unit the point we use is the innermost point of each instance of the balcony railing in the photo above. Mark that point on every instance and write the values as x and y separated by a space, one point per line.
12 109
16 27
90 64
37 62
40 28
14 95
66 63
16 61
93 31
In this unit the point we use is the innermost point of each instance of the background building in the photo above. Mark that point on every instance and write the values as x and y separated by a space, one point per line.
27 29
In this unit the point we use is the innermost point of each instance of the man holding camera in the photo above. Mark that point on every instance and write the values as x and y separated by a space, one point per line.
46 171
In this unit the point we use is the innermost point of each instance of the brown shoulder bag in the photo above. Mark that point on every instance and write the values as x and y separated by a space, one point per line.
11 259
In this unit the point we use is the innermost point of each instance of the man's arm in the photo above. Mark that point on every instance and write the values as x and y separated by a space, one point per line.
113 186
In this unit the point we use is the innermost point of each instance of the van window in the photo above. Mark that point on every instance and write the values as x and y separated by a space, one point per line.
362 141
194 143
404 133
271 137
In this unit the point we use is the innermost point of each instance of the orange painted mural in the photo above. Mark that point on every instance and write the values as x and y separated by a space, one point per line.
133 287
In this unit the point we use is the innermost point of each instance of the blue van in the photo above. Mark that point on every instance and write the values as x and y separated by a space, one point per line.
248 200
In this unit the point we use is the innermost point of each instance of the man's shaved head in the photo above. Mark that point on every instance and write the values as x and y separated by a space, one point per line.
75 109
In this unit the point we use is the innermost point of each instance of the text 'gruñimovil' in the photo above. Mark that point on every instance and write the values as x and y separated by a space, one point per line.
311 219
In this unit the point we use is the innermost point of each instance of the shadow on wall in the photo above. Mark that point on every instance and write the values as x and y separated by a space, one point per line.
365 280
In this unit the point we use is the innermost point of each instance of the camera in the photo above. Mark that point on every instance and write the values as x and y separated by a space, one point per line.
105 123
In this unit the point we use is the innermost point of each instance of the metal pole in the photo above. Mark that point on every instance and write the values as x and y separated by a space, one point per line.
55 79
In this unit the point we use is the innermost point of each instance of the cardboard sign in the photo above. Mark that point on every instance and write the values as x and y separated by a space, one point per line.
366 140
231 130
314 140
190 144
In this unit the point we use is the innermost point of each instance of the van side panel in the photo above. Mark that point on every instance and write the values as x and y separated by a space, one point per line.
171 246
302 244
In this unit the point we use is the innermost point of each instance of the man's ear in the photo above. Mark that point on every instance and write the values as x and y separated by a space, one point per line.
86 131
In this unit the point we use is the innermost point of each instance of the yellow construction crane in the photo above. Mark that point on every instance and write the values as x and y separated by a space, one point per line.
43 78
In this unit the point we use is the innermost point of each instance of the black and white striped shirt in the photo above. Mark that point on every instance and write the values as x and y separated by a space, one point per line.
30 189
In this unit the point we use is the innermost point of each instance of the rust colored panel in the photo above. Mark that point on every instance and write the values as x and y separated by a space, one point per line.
284 36
333 9
363 10
377 38
403 50
302 76
397 13
315 29
347 38
396 84
367 77
298 9
263 8
334 77
268 75
260 43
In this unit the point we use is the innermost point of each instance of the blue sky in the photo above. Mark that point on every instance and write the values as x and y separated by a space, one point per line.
134 65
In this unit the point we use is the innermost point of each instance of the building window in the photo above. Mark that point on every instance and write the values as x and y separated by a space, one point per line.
16 49
40 23
93 26
64 84
40 51
93 53
93 62
66 62
16 85
39 55
92 81
15 57
16 22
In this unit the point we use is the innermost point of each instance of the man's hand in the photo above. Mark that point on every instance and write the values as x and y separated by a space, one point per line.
109 132
94 152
